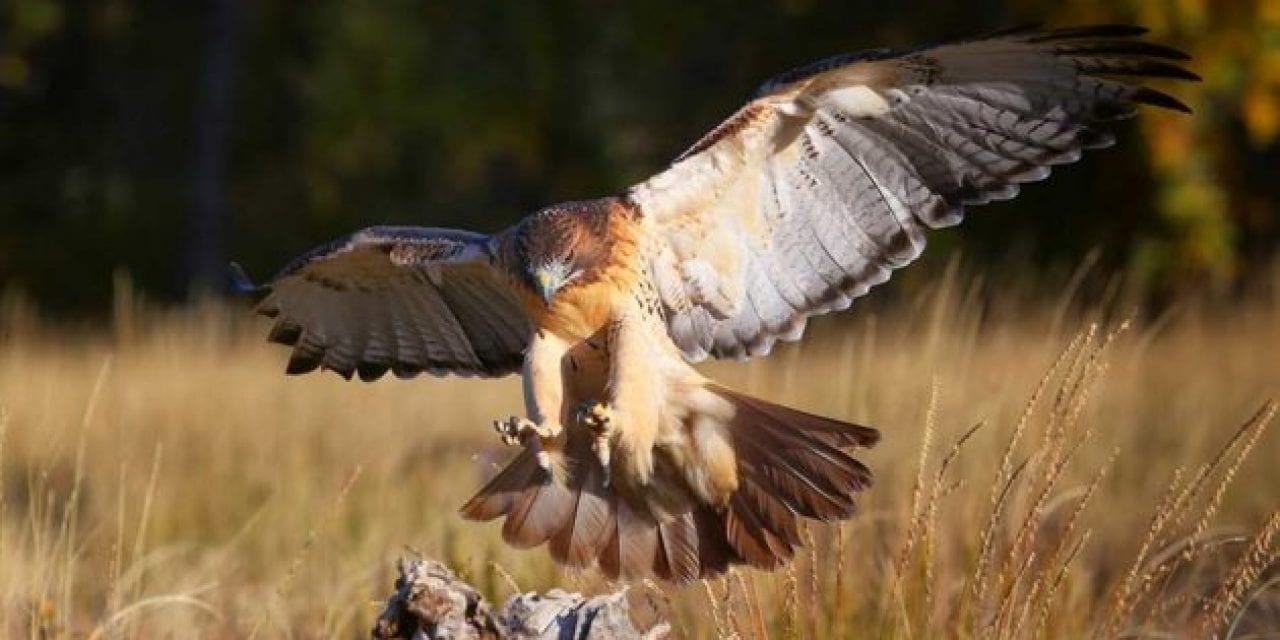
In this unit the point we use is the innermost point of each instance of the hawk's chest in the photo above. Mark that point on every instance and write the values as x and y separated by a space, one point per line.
582 311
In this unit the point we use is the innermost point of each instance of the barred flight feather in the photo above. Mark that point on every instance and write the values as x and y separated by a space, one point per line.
849 158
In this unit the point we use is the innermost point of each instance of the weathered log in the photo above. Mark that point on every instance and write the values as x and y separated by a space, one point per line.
430 602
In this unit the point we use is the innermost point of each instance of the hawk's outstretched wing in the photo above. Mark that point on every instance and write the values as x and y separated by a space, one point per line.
826 181
403 299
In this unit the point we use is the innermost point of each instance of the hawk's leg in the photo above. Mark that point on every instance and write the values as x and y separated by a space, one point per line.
597 418
634 402
543 396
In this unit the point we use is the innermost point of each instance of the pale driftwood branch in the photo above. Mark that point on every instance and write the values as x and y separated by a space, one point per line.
430 602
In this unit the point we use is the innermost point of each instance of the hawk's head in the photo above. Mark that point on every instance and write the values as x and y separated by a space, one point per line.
547 277
560 245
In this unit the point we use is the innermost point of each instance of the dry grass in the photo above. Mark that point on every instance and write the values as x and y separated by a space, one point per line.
1044 473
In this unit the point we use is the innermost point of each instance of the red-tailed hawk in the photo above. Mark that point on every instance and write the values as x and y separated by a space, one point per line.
812 193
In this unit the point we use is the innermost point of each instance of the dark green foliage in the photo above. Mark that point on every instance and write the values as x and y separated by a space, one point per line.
453 112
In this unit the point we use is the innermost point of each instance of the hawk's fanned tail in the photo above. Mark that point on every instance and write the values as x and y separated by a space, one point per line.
801 458
591 524
790 465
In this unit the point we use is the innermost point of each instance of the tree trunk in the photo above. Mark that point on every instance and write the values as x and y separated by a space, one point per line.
204 258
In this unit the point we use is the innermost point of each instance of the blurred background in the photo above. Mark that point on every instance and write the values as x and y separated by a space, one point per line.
1114 328
158 140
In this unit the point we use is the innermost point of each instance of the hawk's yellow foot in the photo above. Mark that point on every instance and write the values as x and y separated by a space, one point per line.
597 417
522 431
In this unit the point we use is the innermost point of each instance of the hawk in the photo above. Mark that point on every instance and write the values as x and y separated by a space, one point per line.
812 193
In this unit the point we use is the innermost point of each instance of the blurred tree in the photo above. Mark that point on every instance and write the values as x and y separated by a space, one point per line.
1216 173
205 257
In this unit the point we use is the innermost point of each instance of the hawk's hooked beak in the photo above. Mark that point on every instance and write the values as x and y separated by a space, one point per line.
547 285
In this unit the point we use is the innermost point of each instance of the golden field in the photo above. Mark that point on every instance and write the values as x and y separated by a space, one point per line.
162 478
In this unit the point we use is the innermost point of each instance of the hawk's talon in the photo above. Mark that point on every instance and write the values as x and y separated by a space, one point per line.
514 430
597 418
521 431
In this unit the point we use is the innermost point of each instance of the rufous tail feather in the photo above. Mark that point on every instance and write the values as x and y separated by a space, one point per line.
791 465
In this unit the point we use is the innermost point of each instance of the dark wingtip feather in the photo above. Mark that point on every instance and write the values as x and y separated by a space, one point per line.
301 362
1165 70
370 371
1122 47
1090 31
1137 67
285 332
1149 96
1156 50
238 283
1018 29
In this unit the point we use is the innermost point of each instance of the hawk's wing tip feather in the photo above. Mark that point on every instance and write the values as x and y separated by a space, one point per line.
240 284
